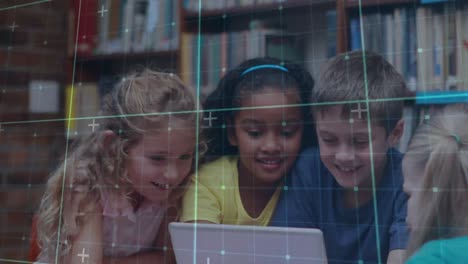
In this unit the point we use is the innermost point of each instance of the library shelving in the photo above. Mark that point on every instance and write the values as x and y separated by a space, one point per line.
109 38
201 40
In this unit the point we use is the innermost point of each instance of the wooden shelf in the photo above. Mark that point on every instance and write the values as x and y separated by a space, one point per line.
370 3
242 11
126 56
29 118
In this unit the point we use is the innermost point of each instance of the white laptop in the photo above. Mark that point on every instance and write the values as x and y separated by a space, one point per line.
226 244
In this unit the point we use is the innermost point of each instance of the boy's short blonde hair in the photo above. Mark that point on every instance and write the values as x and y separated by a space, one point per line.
345 78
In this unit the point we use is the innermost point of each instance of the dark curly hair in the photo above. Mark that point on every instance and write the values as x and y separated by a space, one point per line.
222 102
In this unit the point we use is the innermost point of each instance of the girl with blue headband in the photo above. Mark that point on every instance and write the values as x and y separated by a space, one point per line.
255 122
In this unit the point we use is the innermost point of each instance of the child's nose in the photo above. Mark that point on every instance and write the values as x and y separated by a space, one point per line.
172 173
345 153
271 144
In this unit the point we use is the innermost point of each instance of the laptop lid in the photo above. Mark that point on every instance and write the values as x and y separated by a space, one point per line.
226 244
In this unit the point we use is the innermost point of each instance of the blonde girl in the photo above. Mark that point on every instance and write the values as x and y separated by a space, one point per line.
118 188
435 171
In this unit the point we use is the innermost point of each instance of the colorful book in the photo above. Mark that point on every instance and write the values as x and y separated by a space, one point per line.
86 25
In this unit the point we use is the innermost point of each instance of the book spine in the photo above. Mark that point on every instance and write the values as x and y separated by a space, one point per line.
86 25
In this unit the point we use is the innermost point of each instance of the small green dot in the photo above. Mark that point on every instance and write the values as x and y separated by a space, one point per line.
356 188
223 187
285 187
164 248
435 189
223 126
223 252
420 50
346 57
283 123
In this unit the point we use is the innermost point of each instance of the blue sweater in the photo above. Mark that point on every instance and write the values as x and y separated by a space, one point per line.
314 199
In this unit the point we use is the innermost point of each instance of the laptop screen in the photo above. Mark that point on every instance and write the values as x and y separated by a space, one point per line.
213 244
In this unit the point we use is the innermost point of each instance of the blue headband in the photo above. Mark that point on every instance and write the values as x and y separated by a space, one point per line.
264 66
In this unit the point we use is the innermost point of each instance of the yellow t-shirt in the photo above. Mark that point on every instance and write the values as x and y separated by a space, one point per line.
219 200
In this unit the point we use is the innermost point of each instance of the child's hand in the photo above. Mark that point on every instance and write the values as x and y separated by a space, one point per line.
77 206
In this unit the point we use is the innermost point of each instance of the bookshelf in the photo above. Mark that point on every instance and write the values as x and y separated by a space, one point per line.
258 8
300 26
212 20
430 48
283 21
126 56
426 42
231 19
370 3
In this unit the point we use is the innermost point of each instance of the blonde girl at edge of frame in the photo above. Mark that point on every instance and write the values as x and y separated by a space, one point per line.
114 194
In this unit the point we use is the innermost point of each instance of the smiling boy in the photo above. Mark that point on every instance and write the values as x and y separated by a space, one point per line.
351 186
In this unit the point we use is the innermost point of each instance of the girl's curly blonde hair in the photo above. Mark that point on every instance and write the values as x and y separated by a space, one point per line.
90 169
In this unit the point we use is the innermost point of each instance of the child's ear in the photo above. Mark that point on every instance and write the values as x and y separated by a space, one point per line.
231 133
108 137
396 133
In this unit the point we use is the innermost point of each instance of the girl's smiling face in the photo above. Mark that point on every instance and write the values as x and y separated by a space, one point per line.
161 160
268 138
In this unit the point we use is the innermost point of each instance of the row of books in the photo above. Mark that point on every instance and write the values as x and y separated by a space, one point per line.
195 5
428 45
205 58
118 26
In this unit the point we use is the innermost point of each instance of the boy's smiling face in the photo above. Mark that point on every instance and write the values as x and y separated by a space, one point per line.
344 142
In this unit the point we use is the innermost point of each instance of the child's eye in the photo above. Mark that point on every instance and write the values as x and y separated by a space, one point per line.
254 133
361 142
185 157
158 158
287 133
